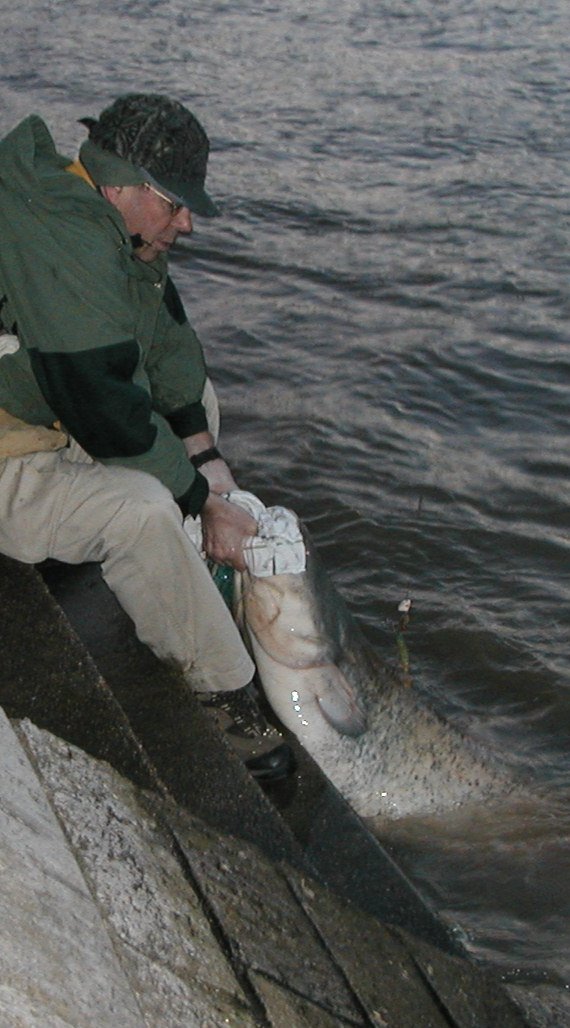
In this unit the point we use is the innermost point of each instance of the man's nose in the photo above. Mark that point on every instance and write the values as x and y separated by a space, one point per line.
183 220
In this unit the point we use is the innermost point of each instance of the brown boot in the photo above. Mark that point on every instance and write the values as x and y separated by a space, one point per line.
261 747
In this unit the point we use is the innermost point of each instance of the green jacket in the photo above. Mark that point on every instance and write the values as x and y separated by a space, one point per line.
105 345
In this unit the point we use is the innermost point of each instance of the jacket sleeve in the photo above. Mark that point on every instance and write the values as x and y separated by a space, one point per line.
176 368
78 314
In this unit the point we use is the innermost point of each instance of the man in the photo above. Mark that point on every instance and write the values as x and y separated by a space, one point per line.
104 349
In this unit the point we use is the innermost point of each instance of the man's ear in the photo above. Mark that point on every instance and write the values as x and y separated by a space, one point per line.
111 193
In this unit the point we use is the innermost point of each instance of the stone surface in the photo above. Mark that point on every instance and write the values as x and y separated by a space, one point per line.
155 919
20 1011
380 969
266 929
398 978
48 676
168 1000
544 1005
470 998
287 1010
119 909
56 958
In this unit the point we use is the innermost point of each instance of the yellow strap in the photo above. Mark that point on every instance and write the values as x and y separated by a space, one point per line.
18 438
77 168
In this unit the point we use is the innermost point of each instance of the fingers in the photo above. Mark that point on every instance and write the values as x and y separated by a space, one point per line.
226 528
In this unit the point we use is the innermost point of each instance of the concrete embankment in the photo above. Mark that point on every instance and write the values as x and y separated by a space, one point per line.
147 881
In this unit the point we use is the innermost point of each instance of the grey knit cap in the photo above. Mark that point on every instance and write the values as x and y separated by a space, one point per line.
146 137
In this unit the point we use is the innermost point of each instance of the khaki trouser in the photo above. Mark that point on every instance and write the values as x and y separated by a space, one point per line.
66 506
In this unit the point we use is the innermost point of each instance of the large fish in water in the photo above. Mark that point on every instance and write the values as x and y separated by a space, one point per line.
385 751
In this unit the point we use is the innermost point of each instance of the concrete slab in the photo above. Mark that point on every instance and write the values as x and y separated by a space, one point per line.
305 822
175 922
48 676
470 997
398 978
380 970
19 1011
159 931
56 958
352 862
266 928
286 1010
169 1001
187 927
544 1005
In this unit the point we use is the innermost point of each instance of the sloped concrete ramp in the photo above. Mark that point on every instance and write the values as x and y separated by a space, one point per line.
146 881
118 909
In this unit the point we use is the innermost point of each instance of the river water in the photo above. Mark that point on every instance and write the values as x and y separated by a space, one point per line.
384 307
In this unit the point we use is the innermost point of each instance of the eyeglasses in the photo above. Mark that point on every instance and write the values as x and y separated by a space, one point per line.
175 208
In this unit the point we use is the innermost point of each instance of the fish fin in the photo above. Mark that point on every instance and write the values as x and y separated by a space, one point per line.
339 708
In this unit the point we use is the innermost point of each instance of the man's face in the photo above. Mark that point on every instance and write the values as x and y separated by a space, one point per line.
152 216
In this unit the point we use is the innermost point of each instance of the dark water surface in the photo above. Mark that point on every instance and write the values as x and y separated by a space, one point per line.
384 306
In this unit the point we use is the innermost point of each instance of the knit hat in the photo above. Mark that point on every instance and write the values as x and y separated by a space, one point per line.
146 137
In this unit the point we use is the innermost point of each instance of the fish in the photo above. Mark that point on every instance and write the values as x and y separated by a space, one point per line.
380 744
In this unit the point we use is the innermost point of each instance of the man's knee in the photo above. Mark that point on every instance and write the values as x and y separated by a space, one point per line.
154 512
133 510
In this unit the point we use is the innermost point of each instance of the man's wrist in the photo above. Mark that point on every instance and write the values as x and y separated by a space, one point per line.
212 453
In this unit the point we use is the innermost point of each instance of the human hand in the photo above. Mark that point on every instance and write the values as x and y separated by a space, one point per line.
225 528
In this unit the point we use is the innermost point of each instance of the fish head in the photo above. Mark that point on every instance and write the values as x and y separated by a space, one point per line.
277 610
295 657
